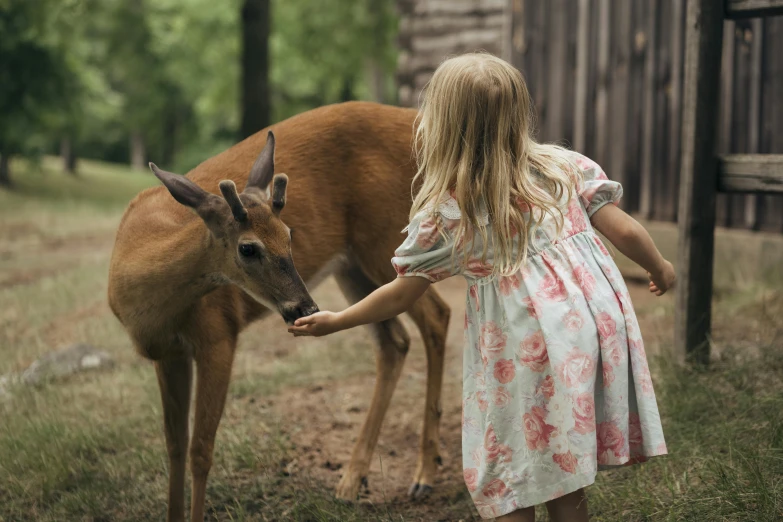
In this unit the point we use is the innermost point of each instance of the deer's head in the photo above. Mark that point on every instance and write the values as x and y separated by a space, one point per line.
252 246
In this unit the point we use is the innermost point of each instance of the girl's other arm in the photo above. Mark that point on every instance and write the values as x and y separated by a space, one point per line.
630 238
386 302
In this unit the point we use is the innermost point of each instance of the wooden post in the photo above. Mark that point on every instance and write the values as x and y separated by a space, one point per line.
698 171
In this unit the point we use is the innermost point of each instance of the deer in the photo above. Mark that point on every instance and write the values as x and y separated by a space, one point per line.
202 256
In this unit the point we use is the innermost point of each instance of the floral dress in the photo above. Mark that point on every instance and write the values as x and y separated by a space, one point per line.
555 378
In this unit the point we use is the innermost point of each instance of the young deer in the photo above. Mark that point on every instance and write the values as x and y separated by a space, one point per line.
189 272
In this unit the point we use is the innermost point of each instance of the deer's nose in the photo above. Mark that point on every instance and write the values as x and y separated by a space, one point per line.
309 310
295 311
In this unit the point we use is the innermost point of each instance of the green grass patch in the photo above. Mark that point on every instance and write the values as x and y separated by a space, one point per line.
97 184
724 432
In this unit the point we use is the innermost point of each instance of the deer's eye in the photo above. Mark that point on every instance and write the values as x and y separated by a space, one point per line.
247 250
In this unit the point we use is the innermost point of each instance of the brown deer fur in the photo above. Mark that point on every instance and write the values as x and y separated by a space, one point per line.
181 290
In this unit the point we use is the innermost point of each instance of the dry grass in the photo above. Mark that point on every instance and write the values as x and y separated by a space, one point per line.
91 447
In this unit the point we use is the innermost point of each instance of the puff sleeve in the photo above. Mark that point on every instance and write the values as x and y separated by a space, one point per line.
426 252
596 190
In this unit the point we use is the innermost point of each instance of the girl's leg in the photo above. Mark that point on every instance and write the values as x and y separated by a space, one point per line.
568 508
527 514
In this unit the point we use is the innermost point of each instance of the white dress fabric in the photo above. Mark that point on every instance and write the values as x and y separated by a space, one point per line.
555 378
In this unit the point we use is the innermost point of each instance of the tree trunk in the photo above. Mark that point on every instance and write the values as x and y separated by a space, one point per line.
170 127
255 66
5 173
375 73
377 81
346 92
138 150
68 156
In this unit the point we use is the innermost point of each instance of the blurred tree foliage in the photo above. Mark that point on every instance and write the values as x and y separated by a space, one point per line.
132 80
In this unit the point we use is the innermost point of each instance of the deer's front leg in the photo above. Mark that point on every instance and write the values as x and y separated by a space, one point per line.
394 342
174 380
213 373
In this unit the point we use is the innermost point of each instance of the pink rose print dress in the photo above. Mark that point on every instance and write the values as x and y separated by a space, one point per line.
555 379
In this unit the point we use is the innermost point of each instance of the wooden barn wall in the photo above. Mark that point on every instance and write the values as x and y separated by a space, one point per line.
432 30
606 77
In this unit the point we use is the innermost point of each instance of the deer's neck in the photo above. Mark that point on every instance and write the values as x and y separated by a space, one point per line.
190 272
200 273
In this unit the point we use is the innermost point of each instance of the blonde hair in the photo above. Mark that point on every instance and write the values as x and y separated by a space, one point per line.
474 136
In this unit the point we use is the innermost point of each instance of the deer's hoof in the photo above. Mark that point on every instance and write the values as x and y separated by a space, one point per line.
418 491
350 485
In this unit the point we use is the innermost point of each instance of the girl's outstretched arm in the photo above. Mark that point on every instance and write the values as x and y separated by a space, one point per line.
632 239
386 302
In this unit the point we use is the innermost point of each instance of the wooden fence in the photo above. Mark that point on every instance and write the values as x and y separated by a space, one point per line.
607 77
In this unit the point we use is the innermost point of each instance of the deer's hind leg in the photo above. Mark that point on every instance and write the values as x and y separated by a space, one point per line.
393 343
174 380
431 315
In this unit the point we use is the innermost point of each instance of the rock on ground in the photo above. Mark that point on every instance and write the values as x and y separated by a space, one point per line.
61 363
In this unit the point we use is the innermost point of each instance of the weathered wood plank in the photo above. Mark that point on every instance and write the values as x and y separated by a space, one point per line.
753 8
602 90
754 114
440 25
458 7
622 48
726 113
582 63
592 80
704 26
506 32
635 107
671 173
772 116
557 40
647 185
569 92
519 36
663 192
739 122
535 23
759 173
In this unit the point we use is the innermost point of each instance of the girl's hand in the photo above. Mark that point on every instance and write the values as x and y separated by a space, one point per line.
663 280
316 325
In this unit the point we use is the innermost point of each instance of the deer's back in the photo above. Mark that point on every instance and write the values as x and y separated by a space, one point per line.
350 168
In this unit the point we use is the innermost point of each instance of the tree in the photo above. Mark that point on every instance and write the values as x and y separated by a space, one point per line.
255 66
36 80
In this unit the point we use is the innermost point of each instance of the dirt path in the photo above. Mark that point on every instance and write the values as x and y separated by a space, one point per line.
323 420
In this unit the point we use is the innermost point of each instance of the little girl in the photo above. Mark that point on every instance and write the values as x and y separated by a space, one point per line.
556 383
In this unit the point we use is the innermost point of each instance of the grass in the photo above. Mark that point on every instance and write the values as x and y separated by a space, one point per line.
725 437
91 447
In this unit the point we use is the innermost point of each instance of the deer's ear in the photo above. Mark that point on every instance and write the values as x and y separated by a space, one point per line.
184 191
278 192
264 166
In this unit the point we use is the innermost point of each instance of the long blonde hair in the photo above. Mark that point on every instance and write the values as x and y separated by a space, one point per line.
474 136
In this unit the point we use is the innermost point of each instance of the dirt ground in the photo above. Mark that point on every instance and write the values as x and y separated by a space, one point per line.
323 420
